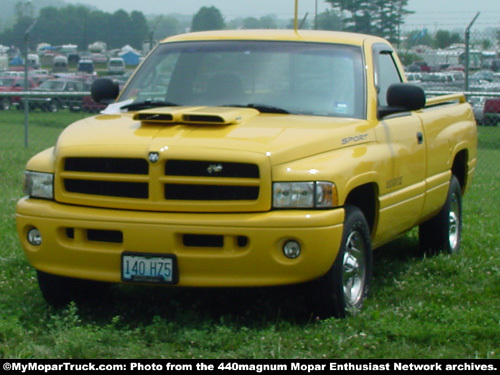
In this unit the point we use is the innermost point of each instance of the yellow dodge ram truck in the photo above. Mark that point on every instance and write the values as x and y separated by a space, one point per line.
245 159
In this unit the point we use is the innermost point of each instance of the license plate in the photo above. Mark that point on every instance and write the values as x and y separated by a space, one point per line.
149 268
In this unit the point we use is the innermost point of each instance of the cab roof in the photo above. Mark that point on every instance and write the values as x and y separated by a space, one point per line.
279 35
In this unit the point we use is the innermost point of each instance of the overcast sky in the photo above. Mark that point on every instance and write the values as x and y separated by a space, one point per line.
432 14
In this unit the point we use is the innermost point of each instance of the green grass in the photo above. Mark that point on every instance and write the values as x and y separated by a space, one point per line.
437 307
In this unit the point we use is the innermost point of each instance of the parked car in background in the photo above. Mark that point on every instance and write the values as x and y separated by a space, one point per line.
86 66
491 112
60 64
12 83
419 66
492 64
99 58
39 75
12 73
90 106
53 103
483 75
116 65
34 61
477 103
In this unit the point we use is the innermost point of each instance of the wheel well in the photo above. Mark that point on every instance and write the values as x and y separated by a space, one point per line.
364 197
459 167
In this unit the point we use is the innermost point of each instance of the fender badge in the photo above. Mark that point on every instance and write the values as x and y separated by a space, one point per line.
153 157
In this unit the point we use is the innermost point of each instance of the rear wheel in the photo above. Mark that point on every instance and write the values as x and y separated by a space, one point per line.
344 288
443 232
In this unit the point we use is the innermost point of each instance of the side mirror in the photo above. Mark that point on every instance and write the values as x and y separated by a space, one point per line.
402 97
104 90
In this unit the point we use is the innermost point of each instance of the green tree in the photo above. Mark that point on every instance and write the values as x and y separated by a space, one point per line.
268 22
79 25
389 16
24 9
379 17
418 38
329 20
139 29
444 39
165 27
208 18
251 23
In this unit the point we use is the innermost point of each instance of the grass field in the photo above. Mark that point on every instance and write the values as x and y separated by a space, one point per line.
437 307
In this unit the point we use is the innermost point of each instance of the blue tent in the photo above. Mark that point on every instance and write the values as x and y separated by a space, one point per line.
130 58
16 61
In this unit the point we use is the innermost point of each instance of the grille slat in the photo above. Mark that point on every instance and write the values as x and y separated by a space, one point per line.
211 169
210 192
107 165
108 188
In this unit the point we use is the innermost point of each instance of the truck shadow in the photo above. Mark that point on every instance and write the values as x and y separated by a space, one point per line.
191 306
187 306
396 256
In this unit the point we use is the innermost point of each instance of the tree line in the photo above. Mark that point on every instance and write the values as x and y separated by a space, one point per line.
78 24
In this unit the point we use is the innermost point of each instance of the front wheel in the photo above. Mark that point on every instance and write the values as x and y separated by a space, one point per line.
344 288
443 232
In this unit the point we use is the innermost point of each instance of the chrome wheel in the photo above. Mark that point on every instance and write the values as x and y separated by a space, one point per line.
443 232
454 222
354 269
345 286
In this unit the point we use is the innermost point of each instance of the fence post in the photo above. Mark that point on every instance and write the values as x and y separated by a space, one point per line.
26 98
467 56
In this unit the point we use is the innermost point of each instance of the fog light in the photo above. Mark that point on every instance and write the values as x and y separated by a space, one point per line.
34 237
291 249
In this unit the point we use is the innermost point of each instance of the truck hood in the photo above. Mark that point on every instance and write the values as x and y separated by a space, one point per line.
281 137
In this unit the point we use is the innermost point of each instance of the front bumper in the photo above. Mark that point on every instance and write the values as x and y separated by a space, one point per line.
87 243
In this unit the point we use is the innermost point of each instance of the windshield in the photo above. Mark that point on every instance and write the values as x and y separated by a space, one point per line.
300 78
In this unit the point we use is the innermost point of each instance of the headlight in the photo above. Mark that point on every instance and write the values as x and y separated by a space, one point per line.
39 185
313 194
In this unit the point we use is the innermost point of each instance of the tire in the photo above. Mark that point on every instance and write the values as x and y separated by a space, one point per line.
52 106
343 289
5 104
443 232
59 291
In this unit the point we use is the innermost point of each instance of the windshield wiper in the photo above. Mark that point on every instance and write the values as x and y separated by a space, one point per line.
148 104
263 108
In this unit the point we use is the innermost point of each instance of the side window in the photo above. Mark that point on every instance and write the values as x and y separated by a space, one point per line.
386 74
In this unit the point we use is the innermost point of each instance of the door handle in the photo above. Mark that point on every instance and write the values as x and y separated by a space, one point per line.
420 138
